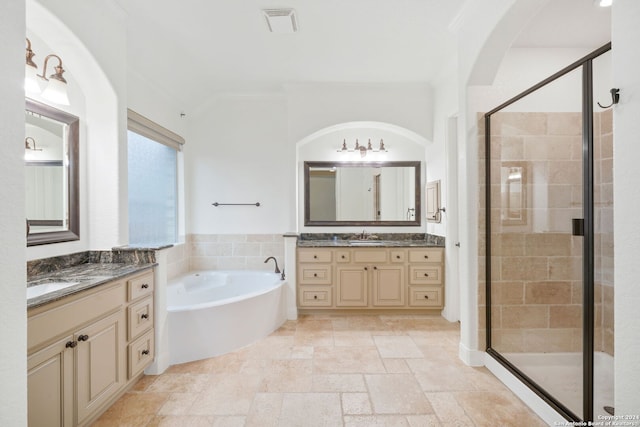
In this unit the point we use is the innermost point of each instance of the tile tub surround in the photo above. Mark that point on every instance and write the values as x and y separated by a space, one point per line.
329 370
536 271
234 251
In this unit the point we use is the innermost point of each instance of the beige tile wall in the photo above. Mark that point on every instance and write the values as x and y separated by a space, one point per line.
226 252
536 266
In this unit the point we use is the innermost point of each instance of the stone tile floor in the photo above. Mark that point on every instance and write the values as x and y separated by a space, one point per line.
329 370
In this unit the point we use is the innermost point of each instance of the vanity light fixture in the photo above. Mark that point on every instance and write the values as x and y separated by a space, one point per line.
361 148
56 89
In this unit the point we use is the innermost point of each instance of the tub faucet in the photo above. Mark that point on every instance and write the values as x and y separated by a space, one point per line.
274 260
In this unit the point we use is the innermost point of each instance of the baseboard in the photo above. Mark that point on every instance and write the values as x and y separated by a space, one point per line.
471 357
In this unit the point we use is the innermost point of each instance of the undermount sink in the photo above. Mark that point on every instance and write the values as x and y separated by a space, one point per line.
366 242
45 288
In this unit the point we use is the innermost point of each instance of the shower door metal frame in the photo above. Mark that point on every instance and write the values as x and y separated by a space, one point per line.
588 264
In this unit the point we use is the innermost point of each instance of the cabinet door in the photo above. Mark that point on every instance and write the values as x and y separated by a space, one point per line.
101 370
50 385
351 287
388 286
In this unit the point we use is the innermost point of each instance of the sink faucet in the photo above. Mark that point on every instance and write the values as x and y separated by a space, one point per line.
363 236
274 260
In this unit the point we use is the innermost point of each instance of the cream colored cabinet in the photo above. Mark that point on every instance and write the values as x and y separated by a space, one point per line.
50 385
370 278
352 286
426 282
100 363
389 286
79 351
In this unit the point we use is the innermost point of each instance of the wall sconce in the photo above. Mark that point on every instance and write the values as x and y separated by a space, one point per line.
361 148
28 141
56 89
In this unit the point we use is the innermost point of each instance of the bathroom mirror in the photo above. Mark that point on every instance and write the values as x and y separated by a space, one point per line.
51 169
513 180
362 193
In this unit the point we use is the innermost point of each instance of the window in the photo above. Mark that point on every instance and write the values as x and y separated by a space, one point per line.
153 182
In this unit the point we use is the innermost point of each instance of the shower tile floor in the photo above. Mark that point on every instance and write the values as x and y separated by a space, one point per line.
329 370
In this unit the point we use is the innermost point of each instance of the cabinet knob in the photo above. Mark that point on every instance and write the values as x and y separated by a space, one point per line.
145 352
315 274
71 344
366 268
426 297
375 268
315 297
426 256
83 338
145 286
398 256
426 275
342 256
315 257
144 316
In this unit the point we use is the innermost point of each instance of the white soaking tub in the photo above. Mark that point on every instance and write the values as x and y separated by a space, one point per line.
215 312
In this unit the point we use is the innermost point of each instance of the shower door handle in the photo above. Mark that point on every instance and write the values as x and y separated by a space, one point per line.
577 226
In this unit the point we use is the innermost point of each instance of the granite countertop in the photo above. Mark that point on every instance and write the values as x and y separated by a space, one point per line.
367 243
82 276
371 240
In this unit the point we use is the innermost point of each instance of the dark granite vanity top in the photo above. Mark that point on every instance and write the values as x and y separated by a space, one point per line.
66 275
370 240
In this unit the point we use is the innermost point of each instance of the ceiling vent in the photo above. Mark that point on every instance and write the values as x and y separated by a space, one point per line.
281 20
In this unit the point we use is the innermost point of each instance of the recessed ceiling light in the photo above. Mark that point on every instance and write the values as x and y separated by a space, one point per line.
281 20
603 3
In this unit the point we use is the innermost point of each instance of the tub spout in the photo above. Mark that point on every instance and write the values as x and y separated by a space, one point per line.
274 260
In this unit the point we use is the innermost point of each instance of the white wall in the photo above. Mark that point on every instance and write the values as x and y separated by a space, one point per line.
626 140
237 153
13 333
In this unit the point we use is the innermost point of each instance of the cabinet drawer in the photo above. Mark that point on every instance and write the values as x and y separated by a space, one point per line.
141 353
315 274
397 256
425 296
318 296
140 317
427 275
425 255
140 286
343 256
312 255
370 256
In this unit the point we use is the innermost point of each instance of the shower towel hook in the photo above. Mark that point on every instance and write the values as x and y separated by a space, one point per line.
615 98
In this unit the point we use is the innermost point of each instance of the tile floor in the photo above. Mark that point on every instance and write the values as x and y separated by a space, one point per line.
329 370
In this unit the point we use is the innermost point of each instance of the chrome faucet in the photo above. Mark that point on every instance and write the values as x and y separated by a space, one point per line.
274 260
363 236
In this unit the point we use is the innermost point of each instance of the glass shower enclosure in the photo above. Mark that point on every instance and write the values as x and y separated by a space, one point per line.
549 237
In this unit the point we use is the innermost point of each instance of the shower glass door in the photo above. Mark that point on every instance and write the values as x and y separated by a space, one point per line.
549 271
536 258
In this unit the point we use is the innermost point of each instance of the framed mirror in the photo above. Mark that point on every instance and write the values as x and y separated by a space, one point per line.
362 193
51 163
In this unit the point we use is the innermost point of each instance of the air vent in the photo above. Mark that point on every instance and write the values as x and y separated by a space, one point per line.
281 20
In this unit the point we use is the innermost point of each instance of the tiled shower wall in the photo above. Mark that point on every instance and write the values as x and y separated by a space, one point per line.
536 265
226 252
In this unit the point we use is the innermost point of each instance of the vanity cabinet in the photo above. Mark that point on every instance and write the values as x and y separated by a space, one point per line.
79 352
370 278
